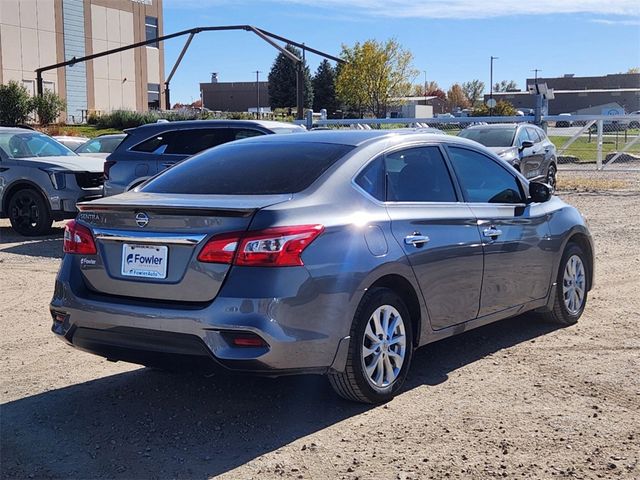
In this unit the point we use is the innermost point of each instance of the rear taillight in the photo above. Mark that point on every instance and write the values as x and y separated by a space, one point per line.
78 239
273 247
107 166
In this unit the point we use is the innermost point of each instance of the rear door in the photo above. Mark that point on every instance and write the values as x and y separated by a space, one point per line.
515 235
437 232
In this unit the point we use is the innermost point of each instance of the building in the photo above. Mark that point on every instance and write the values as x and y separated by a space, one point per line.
234 96
574 94
417 107
37 33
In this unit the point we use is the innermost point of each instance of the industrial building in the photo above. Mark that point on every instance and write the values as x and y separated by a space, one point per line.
234 96
37 33
577 94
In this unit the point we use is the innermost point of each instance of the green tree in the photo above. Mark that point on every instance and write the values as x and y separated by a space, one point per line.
48 107
374 74
473 90
282 82
324 88
457 98
505 86
502 109
15 104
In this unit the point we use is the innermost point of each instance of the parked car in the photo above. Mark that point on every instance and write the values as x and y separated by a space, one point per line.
564 123
525 147
70 142
332 252
151 148
41 180
635 123
101 146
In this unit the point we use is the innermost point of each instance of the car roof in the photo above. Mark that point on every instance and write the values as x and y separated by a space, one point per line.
110 135
357 138
495 125
16 130
186 124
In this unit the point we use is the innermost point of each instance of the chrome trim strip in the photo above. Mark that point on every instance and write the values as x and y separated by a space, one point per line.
148 237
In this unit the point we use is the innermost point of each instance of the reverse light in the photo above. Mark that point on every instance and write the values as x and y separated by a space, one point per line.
78 239
272 247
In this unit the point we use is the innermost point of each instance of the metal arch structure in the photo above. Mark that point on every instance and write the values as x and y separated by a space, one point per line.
192 32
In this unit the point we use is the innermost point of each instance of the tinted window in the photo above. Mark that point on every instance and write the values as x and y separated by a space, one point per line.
490 137
239 133
185 142
151 29
534 135
25 145
483 180
249 169
371 179
418 175
100 145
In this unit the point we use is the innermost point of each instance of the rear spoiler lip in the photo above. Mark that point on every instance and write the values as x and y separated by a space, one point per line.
178 210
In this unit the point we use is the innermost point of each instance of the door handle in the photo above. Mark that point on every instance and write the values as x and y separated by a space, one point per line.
416 239
491 232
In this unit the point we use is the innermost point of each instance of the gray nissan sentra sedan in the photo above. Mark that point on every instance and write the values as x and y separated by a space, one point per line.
336 253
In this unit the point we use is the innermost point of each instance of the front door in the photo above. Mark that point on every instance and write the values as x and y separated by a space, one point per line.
437 232
515 235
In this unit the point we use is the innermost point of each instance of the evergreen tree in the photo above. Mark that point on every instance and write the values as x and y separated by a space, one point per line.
324 88
282 82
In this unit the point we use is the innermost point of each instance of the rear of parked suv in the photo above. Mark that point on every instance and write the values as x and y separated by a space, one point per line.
152 148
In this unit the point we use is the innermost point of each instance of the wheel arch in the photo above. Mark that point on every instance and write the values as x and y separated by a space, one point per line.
19 185
583 241
401 286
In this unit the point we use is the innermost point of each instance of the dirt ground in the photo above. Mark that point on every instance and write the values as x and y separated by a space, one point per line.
517 399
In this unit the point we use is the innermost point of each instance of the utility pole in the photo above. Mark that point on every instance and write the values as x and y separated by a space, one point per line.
536 70
257 72
491 86
425 86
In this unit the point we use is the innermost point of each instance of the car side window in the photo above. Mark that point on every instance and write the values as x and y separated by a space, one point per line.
190 142
371 179
239 133
533 135
522 137
418 175
482 180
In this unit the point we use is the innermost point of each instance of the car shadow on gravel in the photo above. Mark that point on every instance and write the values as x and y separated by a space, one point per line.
45 246
150 424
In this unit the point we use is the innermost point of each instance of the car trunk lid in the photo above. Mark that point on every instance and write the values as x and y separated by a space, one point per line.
147 244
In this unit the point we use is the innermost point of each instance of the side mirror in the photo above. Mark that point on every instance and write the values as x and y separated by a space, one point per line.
526 144
539 192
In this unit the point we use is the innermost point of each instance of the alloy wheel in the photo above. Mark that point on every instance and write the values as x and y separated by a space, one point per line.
574 284
25 212
384 346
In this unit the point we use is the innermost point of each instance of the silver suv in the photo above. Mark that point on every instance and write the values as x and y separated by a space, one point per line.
41 180
151 148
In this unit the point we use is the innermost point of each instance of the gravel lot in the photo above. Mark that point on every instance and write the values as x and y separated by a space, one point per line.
517 399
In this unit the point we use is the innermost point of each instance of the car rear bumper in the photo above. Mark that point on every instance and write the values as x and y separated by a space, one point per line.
152 333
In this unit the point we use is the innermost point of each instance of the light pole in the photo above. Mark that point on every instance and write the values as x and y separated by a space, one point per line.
536 70
491 85
425 86
257 72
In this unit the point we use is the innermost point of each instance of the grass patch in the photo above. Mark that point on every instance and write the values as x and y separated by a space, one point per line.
588 151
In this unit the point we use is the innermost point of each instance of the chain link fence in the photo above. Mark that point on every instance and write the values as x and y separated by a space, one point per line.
593 152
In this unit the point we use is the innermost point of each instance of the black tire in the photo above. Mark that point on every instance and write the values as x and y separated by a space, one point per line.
560 313
353 383
552 177
29 214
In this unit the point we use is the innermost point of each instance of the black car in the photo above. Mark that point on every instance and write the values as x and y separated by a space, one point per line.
524 146
151 148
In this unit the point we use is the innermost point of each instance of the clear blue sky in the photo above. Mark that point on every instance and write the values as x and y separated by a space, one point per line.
451 39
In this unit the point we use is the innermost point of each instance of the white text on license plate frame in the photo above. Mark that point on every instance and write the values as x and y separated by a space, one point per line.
144 261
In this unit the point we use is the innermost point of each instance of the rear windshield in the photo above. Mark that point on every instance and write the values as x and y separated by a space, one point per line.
490 137
249 169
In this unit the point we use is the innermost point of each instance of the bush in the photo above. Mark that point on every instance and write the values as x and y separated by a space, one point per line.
48 107
15 104
502 109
